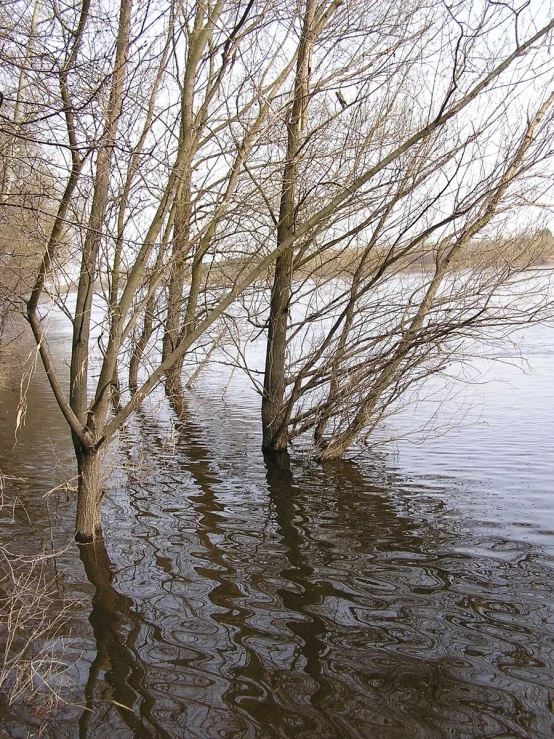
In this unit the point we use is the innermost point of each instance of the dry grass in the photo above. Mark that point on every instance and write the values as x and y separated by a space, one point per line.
33 619
521 252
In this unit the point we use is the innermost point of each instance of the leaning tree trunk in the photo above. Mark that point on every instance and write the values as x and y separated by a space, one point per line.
89 495
275 413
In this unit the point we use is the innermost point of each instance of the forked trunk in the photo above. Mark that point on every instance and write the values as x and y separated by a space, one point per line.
89 496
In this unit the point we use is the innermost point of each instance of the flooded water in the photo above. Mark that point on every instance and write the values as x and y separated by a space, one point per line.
408 592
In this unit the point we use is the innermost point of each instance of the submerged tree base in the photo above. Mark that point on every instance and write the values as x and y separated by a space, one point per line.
89 538
89 496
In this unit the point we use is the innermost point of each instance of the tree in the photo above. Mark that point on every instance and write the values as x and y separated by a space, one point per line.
340 356
136 215
174 133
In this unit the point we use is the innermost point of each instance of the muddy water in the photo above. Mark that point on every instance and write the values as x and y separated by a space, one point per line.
406 593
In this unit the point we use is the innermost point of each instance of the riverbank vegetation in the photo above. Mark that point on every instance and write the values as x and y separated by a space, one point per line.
298 141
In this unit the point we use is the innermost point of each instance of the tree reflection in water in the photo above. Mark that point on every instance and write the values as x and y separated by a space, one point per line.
117 663
285 599
251 598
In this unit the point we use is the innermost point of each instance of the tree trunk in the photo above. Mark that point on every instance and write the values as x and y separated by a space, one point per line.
173 321
173 382
275 413
140 346
274 426
91 247
188 141
89 496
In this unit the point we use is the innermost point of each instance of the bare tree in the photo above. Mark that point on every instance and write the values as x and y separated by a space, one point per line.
186 164
440 174
149 191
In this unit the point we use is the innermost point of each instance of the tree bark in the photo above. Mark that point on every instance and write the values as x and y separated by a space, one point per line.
181 247
89 496
274 428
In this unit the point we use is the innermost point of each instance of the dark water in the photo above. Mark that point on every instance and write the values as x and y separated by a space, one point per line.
406 593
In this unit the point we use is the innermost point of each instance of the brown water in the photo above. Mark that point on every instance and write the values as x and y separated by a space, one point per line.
406 593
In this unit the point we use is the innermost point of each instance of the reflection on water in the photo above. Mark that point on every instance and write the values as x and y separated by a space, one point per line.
408 593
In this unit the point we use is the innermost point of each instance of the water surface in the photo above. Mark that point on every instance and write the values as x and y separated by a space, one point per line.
405 593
